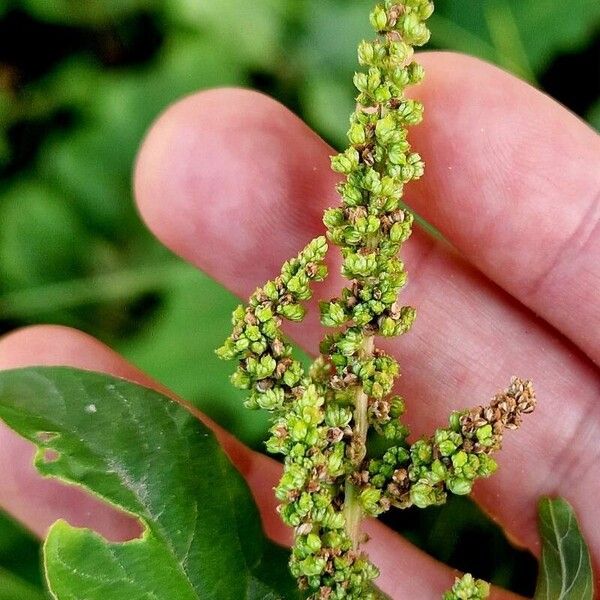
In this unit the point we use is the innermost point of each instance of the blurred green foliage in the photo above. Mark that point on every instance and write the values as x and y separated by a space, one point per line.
80 82
20 577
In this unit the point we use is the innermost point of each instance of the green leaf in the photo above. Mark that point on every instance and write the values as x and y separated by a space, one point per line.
523 36
41 239
248 30
565 569
147 455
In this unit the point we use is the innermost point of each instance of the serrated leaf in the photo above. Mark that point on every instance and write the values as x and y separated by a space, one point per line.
565 568
147 455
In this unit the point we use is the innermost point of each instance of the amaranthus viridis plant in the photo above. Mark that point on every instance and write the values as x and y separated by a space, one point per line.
322 418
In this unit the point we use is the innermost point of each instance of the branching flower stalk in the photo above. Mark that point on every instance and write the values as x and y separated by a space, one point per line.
323 419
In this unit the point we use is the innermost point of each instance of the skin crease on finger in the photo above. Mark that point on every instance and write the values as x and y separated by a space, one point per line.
232 174
37 502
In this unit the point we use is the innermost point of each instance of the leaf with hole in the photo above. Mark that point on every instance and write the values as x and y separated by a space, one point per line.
147 455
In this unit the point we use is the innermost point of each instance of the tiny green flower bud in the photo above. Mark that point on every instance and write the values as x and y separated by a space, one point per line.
238 315
227 351
293 312
258 347
416 73
361 314
357 134
292 375
271 291
484 434
242 344
382 93
459 486
366 53
399 51
313 542
459 459
252 332
396 456
421 452
439 472
334 540
332 314
423 495
396 154
361 83
454 421
385 130
338 416
387 327
313 565
415 31
240 379
379 18
264 313
333 217
468 588
369 500
373 79
353 196
447 447
335 461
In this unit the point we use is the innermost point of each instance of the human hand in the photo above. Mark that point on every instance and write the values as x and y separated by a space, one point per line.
234 183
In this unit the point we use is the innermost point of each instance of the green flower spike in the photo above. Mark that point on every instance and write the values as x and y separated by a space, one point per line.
320 418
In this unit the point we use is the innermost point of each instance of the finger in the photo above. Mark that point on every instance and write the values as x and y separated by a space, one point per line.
513 182
29 499
236 184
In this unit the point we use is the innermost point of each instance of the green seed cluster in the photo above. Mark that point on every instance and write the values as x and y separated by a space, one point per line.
450 461
468 588
266 366
321 418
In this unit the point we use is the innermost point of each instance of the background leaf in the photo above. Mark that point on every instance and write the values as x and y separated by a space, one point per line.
14 588
149 456
90 11
565 568
19 562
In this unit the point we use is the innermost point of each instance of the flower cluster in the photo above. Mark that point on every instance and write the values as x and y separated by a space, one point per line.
321 418
468 588
450 461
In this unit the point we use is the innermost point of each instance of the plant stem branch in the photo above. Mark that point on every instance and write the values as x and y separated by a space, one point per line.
352 510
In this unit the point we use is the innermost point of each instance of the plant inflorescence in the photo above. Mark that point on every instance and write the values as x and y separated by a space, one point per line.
323 418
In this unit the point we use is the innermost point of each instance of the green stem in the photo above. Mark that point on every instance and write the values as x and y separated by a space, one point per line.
353 512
